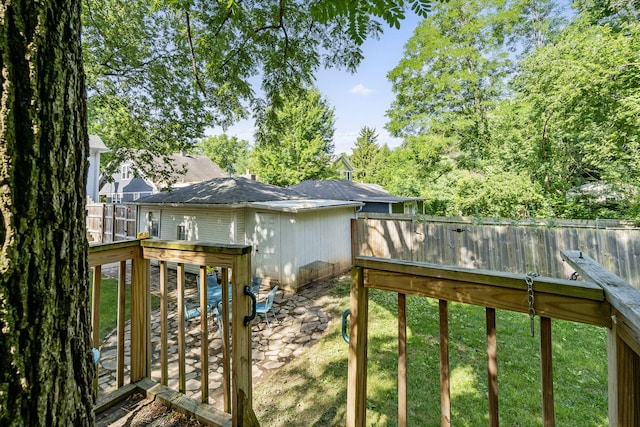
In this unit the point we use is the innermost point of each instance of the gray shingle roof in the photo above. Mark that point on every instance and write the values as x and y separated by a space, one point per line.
198 168
222 191
345 190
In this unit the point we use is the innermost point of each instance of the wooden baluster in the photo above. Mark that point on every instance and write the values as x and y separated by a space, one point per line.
95 313
182 385
164 345
492 366
445 391
402 360
226 345
122 297
95 305
546 367
204 336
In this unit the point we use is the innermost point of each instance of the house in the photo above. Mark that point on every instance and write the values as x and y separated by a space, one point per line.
373 196
129 184
96 147
344 167
294 240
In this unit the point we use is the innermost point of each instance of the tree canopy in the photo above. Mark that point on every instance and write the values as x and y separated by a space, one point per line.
364 153
138 96
228 152
294 142
539 126
159 73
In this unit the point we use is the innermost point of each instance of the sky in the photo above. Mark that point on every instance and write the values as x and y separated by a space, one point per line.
362 99
359 99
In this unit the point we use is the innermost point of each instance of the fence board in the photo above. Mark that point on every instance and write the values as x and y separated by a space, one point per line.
513 248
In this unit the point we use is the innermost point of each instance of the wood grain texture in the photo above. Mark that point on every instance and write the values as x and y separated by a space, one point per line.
555 305
358 332
445 370
546 371
402 360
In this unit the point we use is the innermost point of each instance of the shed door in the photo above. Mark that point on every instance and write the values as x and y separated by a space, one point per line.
267 256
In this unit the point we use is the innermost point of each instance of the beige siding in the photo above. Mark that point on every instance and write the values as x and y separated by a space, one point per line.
211 225
201 224
321 238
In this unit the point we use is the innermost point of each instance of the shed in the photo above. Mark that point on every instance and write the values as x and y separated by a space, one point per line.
374 198
294 240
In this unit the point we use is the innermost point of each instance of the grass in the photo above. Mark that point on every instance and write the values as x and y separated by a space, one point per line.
311 389
109 305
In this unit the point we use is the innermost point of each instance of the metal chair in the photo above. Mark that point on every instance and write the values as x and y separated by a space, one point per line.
266 304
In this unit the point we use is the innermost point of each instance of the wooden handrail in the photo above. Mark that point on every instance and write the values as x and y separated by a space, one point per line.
623 338
602 300
234 258
582 302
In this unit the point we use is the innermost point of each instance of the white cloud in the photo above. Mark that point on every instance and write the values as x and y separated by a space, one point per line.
361 89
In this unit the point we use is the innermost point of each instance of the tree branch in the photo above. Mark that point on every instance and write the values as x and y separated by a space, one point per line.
193 55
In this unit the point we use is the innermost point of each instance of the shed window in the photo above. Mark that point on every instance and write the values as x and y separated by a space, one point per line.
182 232
152 225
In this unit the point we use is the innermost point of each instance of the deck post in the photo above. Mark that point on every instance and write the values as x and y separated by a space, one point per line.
241 385
140 316
357 375
626 385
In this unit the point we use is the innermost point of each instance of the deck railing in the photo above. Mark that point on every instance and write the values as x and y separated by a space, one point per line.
602 299
237 384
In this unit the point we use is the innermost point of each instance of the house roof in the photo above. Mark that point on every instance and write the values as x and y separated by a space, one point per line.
198 168
187 169
222 191
344 160
346 190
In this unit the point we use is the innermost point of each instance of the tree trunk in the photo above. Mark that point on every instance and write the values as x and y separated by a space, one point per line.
45 360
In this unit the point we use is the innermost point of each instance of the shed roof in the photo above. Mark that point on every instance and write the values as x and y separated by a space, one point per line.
221 191
346 190
304 205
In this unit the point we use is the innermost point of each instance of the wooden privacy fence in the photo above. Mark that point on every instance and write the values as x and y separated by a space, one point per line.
108 223
603 299
513 248
237 362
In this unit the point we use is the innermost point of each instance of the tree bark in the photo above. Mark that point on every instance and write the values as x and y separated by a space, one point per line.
45 359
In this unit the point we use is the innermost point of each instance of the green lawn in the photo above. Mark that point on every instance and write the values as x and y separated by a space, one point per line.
311 390
109 305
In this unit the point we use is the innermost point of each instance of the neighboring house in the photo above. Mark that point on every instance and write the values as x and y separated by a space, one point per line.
96 147
294 240
129 185
374 197
342 164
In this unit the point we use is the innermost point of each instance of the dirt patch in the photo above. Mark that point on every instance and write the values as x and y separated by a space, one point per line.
138 411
